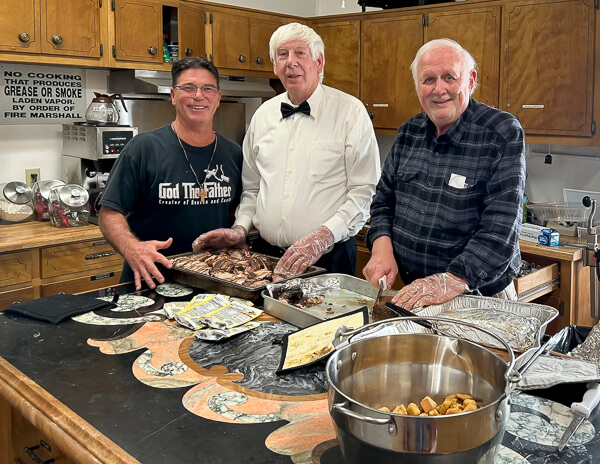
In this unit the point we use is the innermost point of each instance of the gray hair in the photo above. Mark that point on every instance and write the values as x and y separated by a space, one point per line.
467 59
297 31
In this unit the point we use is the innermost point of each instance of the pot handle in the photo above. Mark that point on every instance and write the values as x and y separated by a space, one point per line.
342 408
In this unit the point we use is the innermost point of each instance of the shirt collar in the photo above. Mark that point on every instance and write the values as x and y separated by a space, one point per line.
456 132
314 101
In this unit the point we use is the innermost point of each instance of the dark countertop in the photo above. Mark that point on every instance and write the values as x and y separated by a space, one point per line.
163 396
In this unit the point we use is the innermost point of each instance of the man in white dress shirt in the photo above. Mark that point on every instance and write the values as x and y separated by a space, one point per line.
311 164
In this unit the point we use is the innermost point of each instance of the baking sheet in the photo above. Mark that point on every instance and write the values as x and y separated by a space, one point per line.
353 294
222 286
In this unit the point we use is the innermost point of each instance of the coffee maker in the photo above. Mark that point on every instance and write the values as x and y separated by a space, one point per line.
89 153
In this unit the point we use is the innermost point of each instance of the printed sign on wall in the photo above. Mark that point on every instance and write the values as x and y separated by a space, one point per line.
41 94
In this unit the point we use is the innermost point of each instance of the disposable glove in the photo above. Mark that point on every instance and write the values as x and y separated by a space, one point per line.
304 252
434 289
221 238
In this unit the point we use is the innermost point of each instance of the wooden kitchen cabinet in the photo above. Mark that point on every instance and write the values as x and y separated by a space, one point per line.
53 31
478 31
388 47
191 20
138 31
240 40
548 65
342 54
71 27
47 261
20 26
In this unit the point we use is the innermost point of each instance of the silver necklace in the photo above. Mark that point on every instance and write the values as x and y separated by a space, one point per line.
202 193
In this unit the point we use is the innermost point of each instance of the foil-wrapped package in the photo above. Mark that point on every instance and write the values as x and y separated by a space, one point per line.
520 332
589 350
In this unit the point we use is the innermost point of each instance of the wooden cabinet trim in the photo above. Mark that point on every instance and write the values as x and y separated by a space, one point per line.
76 437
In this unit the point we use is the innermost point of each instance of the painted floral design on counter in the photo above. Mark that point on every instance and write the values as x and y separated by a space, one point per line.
235 383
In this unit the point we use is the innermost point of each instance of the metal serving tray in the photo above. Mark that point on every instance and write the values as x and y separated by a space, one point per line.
222 286
354 293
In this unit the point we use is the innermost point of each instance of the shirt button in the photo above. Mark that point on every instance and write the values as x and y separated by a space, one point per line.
422 211
429 184
291 148
287 195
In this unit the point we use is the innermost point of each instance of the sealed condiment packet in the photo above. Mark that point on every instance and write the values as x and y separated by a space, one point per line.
172 307
232 315
216 335
200 306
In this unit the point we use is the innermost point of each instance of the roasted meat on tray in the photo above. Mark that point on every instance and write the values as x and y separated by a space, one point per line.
238 266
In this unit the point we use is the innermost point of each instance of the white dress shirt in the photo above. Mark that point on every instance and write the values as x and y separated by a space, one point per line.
303 172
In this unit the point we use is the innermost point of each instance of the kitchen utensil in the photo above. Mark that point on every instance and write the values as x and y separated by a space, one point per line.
102 109
394 369
382 287
406 313
582 412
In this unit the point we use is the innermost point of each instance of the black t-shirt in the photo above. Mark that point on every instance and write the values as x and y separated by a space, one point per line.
153 186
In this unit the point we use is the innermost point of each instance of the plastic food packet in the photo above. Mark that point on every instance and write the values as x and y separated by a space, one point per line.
231 315
200 306
216 335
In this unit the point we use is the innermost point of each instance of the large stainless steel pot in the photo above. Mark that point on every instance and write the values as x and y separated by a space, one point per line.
404 368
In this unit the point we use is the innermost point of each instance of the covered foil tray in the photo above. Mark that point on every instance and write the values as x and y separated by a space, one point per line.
354 293
543 313
222 286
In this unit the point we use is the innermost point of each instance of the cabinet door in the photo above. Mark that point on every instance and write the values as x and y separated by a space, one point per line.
191 24
138 31
230 34
71 27
261 29
478 31
548 65
19 26
388 48
342 55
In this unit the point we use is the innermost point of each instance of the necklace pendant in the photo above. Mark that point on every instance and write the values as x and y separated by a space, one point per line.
202 195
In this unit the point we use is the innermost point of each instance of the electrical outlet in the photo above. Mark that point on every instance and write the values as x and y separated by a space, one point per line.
32 175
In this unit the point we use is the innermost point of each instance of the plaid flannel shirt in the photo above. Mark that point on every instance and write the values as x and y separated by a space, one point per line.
454 203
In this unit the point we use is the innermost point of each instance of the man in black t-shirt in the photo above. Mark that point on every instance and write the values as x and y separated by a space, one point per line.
172 184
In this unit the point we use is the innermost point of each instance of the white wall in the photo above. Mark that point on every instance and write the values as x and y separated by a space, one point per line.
333 7
290 7
39 146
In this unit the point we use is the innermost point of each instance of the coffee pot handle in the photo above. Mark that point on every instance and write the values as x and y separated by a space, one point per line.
115 96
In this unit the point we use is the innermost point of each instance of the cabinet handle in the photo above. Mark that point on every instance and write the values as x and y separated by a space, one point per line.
100 254
57 39
242 59
152 50
259 60
508 105
371 114
24 37
188 52
34 457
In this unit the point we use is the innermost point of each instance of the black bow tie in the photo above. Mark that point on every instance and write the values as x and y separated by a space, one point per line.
288 110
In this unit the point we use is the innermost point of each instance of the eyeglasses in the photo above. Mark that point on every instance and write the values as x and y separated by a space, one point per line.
191 89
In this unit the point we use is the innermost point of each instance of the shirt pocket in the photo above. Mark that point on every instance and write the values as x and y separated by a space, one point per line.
406 188
326 162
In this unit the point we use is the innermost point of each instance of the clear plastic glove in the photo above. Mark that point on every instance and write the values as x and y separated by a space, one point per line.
304 252
434 289
221 238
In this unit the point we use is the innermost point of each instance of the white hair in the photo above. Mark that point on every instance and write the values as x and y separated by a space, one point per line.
297 31
467 59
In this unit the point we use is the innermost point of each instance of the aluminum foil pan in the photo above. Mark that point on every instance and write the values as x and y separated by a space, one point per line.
541 313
